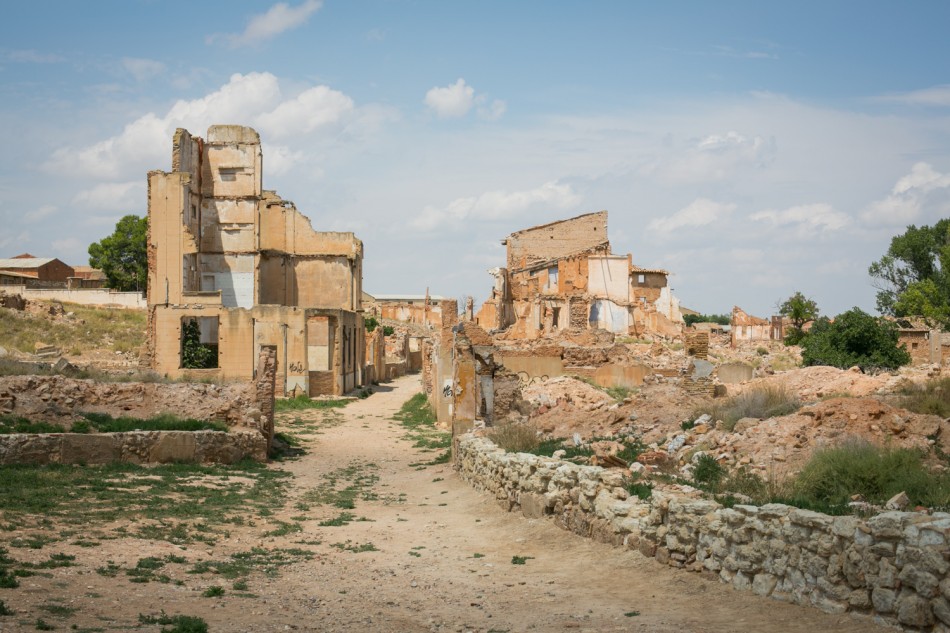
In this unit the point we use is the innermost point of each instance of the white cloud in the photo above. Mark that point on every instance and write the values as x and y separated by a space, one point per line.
39 213
807 218
279 159
127 197
142 69
923 189
493 111
278 19
313 108
493 205
145 143
933 96
714 157
700 212
452 101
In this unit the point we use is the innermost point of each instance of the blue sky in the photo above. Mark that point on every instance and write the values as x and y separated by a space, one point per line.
753 149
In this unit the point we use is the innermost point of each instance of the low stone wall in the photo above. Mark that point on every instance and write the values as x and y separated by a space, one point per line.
892 566
137 447
84 296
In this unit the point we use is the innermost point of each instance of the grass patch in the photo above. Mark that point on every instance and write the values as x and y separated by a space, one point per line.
343 486
257 559
305 402
179 623
179 503
214 591
284 528
105 423
761 402
344 518
520 560
356 548
89 328
931 397
419 420
833 475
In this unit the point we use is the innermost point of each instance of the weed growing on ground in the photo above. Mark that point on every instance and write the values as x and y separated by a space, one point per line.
356 548
515 437
214 591
4 609
418 419
179 623
344 486
284 528
257 559
520 560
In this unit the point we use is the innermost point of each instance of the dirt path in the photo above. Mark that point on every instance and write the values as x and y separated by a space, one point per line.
419 550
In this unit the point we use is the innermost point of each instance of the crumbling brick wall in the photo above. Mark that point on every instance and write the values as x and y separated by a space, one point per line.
697 344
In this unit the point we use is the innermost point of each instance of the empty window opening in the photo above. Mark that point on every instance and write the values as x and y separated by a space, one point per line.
641 279
199 342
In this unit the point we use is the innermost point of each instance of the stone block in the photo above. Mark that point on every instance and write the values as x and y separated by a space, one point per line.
173 447
913 610
532 505
78 448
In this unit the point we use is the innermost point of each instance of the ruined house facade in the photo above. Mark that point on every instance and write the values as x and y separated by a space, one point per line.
240 268
563 275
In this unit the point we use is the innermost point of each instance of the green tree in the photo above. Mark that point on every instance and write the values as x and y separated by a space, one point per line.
799 309
854 338
917 256
721 319
195 354
122 256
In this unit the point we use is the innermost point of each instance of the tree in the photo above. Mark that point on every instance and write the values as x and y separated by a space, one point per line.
721 319
917 262
854 338
799 309
122 256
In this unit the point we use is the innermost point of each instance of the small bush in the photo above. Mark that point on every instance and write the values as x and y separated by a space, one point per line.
637 488
708 474
515 438
214 591
761 351
4 609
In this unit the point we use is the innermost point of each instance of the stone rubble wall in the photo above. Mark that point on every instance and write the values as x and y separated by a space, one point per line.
136 447
893 566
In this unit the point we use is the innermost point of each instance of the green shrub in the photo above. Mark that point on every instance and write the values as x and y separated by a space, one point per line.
855 467
762 351
708 473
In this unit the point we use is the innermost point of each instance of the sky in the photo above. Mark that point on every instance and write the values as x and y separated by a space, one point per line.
753 149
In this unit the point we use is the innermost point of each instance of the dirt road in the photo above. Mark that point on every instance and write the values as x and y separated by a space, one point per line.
402 547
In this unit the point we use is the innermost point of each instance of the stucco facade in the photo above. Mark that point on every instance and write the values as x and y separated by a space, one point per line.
249 270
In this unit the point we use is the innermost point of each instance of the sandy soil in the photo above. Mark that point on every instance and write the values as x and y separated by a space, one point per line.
427 527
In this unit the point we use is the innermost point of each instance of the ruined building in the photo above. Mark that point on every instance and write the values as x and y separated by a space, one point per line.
562 275
232 268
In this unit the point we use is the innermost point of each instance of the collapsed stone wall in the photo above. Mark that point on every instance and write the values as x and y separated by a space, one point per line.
893 566
136 447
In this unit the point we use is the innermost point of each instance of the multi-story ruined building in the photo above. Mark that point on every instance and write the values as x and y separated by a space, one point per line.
562 275
233 267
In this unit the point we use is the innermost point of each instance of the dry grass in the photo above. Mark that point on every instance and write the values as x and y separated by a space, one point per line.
87 329
761 402
515 438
